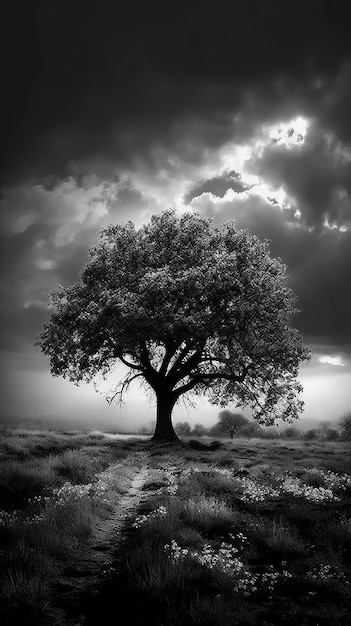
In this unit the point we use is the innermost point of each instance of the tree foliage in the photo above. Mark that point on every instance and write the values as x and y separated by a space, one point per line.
188 307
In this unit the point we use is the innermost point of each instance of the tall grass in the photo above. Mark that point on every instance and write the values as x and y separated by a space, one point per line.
216 542
52 504
20 480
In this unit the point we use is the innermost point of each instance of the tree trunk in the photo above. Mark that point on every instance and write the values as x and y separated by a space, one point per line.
164 430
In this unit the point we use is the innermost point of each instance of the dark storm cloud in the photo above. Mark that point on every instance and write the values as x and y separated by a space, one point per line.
45 234
322 285
83 78
337 103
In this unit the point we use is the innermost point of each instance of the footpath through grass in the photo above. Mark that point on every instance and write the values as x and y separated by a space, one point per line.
254 532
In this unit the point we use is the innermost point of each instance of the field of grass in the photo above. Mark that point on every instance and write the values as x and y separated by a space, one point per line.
245 532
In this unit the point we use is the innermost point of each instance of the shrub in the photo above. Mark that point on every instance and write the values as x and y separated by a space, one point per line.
278 536
208 515
311 434
267 433
215 484
291 433
313 478
345 424
332 434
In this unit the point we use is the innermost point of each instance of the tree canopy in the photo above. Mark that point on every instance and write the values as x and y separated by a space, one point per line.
188 307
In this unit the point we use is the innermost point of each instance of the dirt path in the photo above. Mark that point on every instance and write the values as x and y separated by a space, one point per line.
99 552
97 563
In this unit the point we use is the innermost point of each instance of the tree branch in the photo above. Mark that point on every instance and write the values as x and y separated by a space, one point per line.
183 353
185 368
122 387
120 356
131 365
151 375
206 378
171 347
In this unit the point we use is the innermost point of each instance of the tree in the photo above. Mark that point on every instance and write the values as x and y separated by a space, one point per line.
189 308
182 428
199 430
231 423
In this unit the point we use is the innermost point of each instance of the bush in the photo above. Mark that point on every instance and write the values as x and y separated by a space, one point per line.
311 434
268 433
208 515
332 434
345 424
279 537
291 433
313 478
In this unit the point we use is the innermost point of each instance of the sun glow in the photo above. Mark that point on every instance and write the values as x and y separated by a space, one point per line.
289 134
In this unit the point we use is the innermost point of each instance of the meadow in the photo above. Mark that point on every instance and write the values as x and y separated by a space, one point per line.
224 532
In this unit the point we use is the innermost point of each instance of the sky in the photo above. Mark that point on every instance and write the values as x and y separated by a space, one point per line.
117 111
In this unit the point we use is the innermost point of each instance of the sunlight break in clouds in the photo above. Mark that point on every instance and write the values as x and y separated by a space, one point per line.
332 360
291 135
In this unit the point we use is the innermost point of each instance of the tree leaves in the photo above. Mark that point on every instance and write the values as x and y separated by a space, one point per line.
192 306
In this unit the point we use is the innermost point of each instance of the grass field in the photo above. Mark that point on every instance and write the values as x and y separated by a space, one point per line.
245 532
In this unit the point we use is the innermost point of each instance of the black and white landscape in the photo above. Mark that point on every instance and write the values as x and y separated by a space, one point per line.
175 236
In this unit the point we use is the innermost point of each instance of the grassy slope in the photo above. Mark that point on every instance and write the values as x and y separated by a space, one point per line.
244 547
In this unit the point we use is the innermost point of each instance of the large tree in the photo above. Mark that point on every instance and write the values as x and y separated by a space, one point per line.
187 307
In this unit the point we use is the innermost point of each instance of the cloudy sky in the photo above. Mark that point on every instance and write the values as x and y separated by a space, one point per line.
114 111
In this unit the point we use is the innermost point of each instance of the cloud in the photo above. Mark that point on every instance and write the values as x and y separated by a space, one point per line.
133 112
111 85
315 176
45 234
337 102
59 213
218 186
332 360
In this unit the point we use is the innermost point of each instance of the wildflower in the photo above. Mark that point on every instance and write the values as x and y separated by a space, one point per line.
8 519
293 486
255 492
223 558
161 511
322 574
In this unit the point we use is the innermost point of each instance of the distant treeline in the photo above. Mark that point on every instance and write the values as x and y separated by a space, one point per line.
231 424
